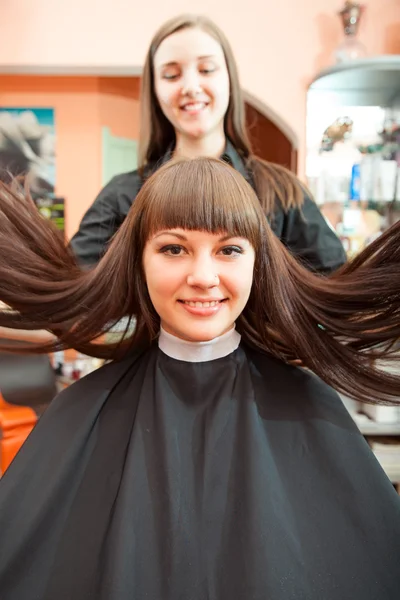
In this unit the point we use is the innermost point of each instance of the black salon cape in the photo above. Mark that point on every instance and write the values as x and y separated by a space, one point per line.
240 478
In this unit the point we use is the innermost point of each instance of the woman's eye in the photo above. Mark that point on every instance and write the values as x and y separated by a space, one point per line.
170 76
172 250
207 68
232 251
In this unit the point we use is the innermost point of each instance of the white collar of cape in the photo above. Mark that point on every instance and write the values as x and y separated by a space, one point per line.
199 351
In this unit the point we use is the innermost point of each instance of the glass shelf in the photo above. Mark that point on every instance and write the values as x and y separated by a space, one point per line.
373 81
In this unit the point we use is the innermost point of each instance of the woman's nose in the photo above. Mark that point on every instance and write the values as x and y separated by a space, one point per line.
191 84
203 274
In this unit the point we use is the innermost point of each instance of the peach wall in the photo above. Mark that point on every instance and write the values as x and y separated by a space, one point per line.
279 45
119 105
83 105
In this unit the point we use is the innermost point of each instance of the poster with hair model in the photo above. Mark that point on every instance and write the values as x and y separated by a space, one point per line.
27 147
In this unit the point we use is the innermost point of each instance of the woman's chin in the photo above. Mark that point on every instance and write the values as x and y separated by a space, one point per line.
196 130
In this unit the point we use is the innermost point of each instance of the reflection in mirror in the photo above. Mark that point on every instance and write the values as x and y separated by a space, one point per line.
353 147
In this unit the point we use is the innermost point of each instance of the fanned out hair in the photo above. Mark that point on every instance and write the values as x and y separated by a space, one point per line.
341 327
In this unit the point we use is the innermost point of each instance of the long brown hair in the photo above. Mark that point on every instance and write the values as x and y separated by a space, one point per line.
337 326
272 182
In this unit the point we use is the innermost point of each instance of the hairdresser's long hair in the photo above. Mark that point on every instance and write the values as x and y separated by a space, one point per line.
337 326
273 183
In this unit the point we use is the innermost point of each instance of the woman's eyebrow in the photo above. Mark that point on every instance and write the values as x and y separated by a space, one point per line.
174 63
178 235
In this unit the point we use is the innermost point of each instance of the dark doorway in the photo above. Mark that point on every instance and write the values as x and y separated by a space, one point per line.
268 140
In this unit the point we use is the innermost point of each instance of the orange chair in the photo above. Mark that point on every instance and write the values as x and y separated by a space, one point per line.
16 423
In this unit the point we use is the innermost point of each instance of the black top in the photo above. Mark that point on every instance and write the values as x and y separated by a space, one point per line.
240 478
305 232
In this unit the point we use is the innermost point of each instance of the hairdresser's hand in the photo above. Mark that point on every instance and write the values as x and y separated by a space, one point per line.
37 336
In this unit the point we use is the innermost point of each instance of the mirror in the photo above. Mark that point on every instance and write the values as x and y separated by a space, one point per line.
353 147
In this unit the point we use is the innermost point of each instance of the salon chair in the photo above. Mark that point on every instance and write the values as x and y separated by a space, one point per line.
27 386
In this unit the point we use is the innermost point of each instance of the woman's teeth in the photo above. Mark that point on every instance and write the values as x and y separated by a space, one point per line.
202 304
195 106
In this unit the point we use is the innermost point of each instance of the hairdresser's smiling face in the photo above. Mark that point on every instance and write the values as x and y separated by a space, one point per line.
191 83
198 282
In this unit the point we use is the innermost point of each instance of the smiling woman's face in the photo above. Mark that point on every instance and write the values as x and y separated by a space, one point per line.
191 82
198 282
